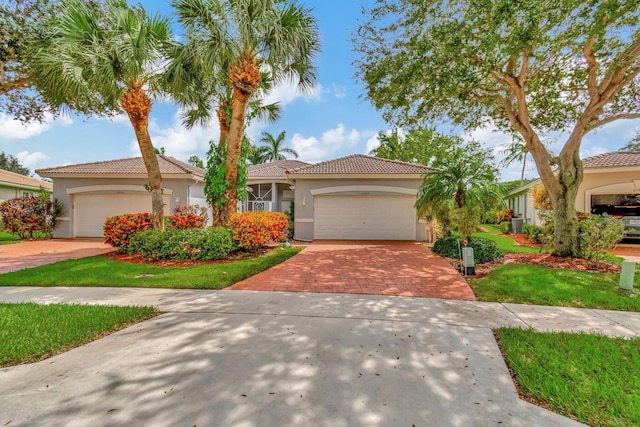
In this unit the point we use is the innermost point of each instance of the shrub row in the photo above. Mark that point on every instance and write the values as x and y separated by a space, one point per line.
484 250
253 230
534 233
118 230
198 244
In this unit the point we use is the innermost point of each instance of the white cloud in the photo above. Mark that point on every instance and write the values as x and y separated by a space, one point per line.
11 129
339 91
287 92
332 141
31 160
178 141
372 143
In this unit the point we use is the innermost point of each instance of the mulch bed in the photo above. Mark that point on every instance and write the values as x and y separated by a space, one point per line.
548 260
140 259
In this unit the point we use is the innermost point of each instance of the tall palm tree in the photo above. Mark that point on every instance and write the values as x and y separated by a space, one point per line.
243 40
102 58
272 148
517 151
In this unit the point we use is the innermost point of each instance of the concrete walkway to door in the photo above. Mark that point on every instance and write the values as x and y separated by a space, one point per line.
364 267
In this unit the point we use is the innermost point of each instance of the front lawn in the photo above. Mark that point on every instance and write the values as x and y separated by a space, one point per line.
592 378
7 238
31 332
102 271
505 243
540 285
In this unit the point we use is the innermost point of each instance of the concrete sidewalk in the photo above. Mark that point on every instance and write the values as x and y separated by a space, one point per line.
249 358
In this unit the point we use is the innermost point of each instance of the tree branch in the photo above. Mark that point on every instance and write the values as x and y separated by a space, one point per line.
598 123
15 84
593 66
616 74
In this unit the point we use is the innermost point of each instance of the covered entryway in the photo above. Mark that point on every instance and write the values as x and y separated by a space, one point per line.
91 210
365 217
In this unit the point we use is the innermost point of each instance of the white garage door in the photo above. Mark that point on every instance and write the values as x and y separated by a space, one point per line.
91 210
379 217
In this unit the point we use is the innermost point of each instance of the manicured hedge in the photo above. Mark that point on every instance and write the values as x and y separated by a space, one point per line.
484 250
198 244
118 230
253 230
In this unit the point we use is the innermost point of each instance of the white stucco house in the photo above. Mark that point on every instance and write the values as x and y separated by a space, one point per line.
91 192
609 179
14 185
356 197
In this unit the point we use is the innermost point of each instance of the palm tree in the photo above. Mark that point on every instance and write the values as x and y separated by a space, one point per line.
517 151
272 148
243 40
101 59
460 182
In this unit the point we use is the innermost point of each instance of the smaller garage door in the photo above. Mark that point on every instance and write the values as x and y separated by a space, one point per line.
366 217
91 210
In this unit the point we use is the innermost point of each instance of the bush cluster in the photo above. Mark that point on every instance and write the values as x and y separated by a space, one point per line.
187 220
599 233
534 233
27 216
118 230
504 215
198 244
505 227
484 250
253 230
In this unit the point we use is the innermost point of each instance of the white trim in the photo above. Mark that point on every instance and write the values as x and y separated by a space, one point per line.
364 188
113 187
301 220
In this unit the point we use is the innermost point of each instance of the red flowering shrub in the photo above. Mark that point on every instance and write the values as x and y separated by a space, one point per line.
192 209
119 229
504 215
253 230
189 220
30 215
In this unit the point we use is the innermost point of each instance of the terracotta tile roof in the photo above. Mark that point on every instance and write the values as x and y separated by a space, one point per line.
274 169
12 178
359 164
613 160
135 165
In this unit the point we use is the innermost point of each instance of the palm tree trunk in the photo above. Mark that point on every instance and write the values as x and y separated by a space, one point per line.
524 164
137 104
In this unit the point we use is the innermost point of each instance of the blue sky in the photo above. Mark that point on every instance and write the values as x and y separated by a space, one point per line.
331 121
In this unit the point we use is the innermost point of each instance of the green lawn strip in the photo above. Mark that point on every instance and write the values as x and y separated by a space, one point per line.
103 271
593 378
505 244
8 238
30 332
540 285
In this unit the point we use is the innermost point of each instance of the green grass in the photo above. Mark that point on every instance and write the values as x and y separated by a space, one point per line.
102 271
540 285
505 244
8 238
31 332
590 377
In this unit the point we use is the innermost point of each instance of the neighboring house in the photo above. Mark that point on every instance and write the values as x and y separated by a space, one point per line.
269 188
358 197
14 185
610 178
91 192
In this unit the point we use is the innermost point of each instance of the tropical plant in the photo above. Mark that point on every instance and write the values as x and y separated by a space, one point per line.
30 215
240 42
11 164
100 59
517 151
272 148
523 67
599 234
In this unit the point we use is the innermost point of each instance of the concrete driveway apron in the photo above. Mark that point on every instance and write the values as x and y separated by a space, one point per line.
26 254
400 268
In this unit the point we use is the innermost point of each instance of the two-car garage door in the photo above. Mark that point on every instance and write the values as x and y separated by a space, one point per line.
91 210
364 217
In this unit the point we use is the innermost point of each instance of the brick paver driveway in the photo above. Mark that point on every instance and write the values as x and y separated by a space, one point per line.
17 256
363 267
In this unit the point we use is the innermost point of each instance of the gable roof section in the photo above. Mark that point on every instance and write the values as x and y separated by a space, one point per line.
618 159
131 166
274 169
359 164
13 179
